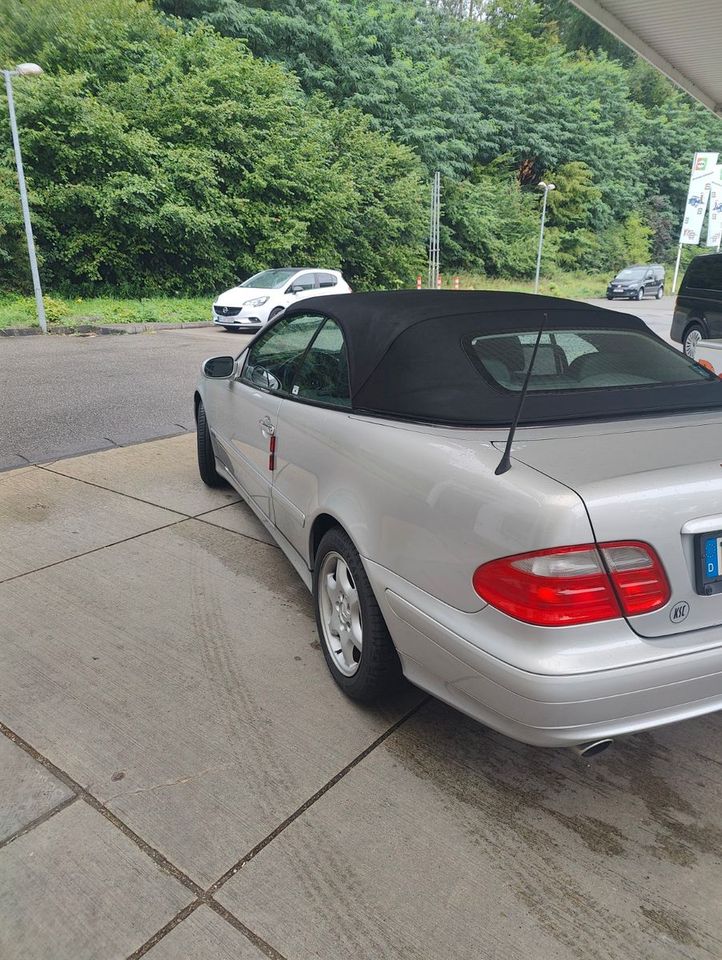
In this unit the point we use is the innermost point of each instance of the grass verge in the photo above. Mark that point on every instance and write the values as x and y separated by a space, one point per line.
20 311
575 286
16 311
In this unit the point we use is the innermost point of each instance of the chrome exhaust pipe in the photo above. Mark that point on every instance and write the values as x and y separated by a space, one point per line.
592 748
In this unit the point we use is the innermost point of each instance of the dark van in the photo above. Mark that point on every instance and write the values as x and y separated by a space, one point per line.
698 310
637 282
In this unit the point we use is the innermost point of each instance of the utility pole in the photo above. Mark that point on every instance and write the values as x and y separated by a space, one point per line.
25 70
434 218
546 187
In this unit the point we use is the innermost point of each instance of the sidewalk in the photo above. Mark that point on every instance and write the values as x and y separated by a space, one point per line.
180 778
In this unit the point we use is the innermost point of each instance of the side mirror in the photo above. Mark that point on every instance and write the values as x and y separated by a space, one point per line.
219 368
296 288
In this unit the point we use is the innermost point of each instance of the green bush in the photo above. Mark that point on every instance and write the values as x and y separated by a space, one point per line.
55 310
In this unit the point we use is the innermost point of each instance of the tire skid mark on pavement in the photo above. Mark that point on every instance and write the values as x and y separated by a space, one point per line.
260 763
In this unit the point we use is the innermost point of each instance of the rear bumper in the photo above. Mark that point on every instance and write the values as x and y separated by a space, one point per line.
543 709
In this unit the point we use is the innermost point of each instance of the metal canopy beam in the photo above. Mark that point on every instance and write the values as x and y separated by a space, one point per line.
681 40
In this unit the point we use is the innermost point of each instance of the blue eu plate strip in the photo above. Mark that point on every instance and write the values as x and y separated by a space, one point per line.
711 561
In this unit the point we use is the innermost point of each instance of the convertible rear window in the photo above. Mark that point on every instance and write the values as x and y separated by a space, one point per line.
469 369
569 360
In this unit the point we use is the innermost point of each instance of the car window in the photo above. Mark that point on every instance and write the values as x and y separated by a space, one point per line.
269 279
568 361
305 280
705 273
274 356
323 374
325 280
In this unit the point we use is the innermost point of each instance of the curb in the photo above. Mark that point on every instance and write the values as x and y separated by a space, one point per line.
103 329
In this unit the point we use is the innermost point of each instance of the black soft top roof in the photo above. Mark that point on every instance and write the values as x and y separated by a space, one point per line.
408 357
372 322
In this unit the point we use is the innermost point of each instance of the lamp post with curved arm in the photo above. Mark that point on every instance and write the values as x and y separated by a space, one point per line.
546 187
25 70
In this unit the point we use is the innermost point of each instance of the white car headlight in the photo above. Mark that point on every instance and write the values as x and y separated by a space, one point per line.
258 302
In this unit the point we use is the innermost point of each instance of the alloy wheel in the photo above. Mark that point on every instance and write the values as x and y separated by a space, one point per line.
340 609
691 341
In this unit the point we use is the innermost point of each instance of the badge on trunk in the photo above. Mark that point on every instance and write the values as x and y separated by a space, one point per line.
679 612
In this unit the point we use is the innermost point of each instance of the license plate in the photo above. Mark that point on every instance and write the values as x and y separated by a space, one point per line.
708 562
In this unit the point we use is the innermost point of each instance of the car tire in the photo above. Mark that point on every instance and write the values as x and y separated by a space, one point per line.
204 449
640 294
610 297
276 312
356 643
660 293
691 337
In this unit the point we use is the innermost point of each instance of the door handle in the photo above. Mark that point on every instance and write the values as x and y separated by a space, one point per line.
267 427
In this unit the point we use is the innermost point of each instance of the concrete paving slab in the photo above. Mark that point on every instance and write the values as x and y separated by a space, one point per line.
204 936
45 518
240 518
163 472
75 888
179 677
27 789
451 841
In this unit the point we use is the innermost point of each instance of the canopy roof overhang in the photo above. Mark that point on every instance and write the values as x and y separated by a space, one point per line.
683 40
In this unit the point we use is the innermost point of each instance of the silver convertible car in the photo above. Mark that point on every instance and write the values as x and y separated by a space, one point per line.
514 501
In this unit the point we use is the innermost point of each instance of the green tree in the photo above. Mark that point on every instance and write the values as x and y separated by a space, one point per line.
176 160
490 223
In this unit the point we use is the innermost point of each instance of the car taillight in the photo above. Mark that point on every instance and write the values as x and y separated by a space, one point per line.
570 585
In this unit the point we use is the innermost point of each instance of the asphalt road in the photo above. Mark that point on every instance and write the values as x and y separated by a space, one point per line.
68 395
657 314
63 395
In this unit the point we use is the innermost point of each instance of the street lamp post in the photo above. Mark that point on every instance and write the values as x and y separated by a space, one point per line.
546 187
25 70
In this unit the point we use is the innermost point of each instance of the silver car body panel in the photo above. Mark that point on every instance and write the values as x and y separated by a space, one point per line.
424 508
652 481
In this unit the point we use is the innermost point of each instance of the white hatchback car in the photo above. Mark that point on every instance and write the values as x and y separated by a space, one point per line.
266 295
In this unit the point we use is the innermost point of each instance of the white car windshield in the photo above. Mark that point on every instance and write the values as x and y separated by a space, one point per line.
269 279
